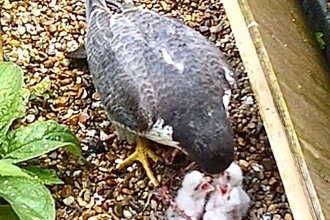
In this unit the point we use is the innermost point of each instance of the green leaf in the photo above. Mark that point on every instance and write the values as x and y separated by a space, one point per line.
39 138
33 95
43 86
8 169
320 41
7 213
42 89
46 176
11 101
25 95
28 197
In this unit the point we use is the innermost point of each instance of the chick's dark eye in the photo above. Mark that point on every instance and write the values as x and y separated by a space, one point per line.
196 188
228 176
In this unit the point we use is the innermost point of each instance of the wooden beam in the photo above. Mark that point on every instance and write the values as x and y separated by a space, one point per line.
285 146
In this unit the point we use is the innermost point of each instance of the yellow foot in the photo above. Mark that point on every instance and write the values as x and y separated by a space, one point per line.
142 152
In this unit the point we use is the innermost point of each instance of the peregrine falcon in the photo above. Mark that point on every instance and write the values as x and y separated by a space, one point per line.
160 80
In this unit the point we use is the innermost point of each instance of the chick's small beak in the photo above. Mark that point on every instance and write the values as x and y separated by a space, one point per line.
207 187
222 189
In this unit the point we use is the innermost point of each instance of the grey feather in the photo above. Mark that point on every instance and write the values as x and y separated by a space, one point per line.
149 69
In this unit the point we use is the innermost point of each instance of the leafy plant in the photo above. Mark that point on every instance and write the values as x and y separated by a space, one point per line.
41 89
24 188
320 41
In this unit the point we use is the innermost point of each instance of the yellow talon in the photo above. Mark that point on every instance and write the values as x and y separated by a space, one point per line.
141 153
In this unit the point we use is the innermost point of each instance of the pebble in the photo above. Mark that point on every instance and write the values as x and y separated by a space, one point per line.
30 118
49 63
288 217
203 29
81 202
127 214
52 28
68 201
65 62
276 217
118 210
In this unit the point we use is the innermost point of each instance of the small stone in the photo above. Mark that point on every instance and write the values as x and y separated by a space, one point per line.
52 28
118 210
267 164
30 118
258 204
66 191
48 63
127 191
194 5
277 217
62 101
261 175
41 57
104 136
15 43
21 30
88 215
215 29
51 51
288 216
203 29
98 209
272 208
272 181
81 202
87 195
58 45
153 204
135 205
68 201
141 184
280 189
7 4
243 163
36 12
65 62
127 214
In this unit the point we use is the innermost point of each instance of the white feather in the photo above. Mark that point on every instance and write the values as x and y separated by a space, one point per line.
168 59
162 134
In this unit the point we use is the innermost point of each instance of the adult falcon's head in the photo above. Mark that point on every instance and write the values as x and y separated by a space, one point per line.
206 135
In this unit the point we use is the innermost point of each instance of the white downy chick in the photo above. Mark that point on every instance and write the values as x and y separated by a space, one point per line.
191 196
230 199
233 175
215 215
223 204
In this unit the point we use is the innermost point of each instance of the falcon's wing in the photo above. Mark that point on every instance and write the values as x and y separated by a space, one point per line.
116 62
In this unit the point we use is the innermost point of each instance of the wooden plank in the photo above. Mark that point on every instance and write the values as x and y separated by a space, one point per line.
306 87
286 148
304 81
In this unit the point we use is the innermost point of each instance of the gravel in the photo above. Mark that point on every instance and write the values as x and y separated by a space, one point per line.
38 34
